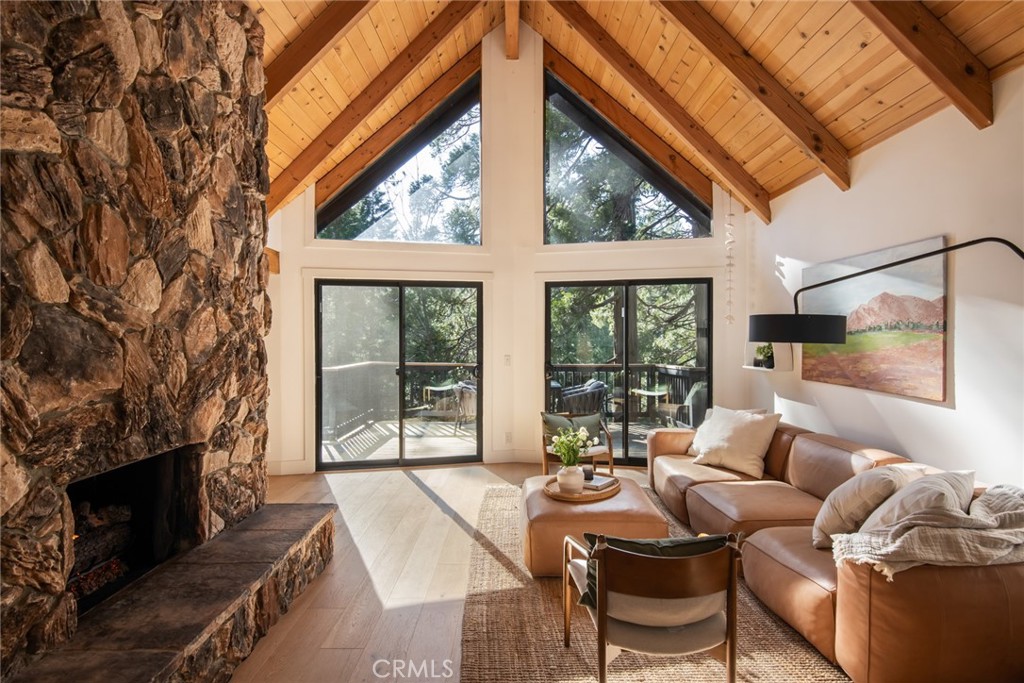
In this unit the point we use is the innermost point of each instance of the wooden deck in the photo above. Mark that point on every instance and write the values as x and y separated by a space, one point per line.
427 439
423 439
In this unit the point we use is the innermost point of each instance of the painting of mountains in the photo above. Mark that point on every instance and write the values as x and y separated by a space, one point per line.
895 323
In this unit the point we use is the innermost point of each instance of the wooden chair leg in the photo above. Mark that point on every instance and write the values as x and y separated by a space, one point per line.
566 595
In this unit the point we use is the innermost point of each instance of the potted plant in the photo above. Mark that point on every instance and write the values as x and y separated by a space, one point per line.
571 445
764 356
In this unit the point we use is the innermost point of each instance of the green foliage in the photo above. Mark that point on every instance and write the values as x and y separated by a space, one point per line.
586 328
361 324
765 351
592 195
440 324
434 197
350 225
358 324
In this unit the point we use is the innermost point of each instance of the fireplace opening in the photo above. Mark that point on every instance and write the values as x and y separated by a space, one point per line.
127 522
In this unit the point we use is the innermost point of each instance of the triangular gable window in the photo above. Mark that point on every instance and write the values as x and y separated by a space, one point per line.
600 187
424 189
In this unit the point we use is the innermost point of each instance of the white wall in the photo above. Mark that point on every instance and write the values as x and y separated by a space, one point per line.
940 177
513 265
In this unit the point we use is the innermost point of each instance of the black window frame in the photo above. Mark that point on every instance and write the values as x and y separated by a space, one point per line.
569 103
433 124
623 456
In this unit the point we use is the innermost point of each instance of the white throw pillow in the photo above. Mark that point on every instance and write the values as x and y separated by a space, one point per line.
945 491
735 439
853 501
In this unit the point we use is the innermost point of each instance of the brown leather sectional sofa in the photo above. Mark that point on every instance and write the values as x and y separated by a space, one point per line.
929 624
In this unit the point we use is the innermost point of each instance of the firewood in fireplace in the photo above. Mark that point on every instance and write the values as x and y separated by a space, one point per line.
85 518
97 577
94 546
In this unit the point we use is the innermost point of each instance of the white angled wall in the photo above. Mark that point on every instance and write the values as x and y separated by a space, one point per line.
513 265
940 177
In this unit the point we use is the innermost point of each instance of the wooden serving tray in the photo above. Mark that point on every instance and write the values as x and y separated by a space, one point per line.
588 496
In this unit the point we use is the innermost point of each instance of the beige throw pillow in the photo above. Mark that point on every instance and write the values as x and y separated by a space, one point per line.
853 501
945 491
735 439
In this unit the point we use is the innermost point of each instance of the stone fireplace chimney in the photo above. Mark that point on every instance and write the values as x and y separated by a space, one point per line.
132 284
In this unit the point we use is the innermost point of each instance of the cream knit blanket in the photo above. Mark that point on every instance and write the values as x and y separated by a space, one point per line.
992 532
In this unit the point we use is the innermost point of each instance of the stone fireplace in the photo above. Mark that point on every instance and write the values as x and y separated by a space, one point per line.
130 520
132 292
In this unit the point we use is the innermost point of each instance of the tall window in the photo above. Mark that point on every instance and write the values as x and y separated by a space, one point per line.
599 187
425 189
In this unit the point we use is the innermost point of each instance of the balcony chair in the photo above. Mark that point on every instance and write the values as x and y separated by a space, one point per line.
465 401
604 452
684 414
585 398
652 603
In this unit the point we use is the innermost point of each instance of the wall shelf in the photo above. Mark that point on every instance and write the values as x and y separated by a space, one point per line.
783 352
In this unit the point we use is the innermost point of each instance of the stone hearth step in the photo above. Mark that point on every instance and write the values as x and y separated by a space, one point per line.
196 617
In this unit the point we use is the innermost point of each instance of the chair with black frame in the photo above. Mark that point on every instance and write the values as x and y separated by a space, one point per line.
643 600
584 398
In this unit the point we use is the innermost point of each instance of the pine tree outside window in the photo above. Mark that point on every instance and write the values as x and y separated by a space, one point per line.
425 189
599 187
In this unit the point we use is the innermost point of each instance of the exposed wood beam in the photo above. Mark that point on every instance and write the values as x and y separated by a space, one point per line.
309 48
378 143
729 170
796 122
649 141
511 29
273 260
380 88
935 50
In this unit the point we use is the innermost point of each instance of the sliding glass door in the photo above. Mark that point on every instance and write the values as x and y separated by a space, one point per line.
398 373
639 352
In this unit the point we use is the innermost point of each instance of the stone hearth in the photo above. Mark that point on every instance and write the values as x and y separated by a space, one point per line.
199 615
133 281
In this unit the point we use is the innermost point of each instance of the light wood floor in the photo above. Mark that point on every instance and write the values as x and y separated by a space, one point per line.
396 587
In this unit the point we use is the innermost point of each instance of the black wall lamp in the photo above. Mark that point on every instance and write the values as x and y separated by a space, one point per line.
805 328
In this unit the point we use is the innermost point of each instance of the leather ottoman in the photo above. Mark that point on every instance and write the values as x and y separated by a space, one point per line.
545 522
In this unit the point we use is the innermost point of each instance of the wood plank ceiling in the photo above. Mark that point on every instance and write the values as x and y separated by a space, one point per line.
757 96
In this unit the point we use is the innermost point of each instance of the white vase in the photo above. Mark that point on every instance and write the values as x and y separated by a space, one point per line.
570 479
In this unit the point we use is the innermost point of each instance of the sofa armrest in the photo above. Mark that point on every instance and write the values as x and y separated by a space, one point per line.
666 441
931 623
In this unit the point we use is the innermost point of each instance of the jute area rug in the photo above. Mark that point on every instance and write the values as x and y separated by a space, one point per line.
512 625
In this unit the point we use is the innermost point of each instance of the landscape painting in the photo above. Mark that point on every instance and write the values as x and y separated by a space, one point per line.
895 323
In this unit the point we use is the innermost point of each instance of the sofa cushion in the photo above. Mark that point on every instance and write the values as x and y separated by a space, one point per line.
818 463
674 474
853 501
778 452
946 491
795 581
747 506
735 439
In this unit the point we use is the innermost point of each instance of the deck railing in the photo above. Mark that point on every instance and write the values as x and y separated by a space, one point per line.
358 394
668 385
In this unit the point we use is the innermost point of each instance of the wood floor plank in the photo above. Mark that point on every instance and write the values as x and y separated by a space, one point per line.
396 587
